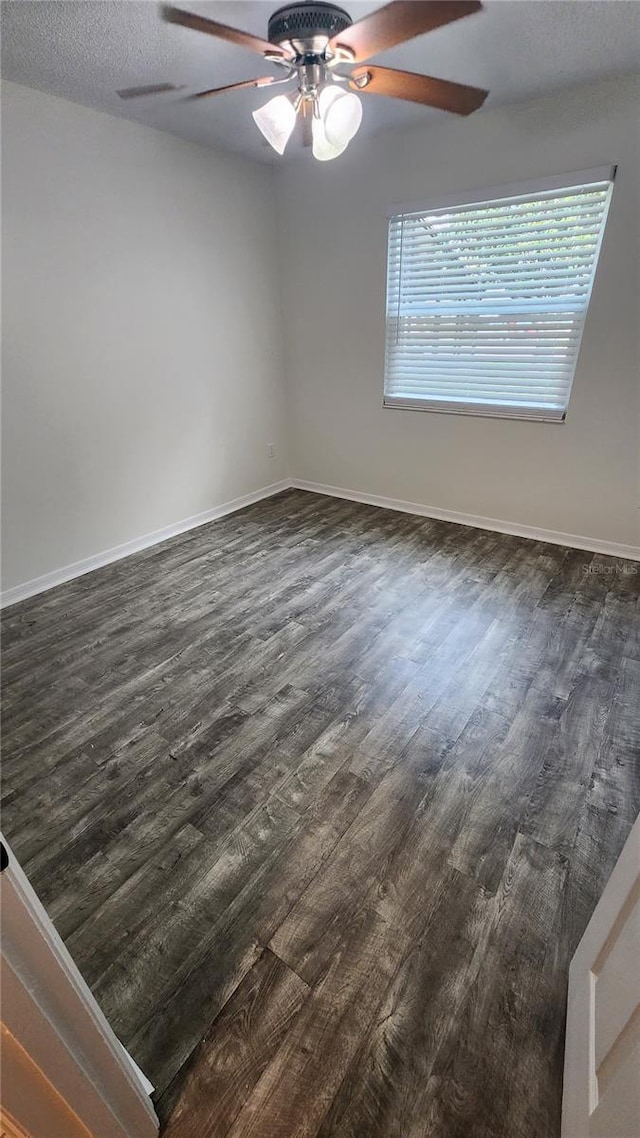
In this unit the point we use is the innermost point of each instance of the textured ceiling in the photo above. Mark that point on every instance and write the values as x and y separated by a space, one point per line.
86 51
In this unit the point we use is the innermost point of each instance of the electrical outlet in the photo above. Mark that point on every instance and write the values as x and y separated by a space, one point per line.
271 450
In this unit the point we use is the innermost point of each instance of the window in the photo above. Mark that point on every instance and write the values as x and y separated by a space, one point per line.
487 298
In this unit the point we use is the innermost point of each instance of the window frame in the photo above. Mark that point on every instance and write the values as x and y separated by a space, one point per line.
532 187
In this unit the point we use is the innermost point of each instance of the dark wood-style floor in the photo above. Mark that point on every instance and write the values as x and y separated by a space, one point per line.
321 798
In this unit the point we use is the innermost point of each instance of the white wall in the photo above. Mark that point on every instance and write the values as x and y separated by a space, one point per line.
142 328
580 478
142 370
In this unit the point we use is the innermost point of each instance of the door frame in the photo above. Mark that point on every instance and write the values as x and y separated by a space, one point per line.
580 1087
55 1034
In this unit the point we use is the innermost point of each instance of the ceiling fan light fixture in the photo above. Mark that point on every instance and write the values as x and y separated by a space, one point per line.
276 120
342 118
327 98
322 149
313 40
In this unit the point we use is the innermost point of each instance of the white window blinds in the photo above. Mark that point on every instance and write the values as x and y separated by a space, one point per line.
486 301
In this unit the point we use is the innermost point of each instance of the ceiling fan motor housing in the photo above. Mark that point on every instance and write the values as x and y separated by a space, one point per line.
306 28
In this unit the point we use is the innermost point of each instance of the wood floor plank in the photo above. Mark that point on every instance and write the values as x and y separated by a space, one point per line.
484 844
471 1087
553 811
615 778
127 913
297 1088
414 1017
321 797
462 774
313 930
321 829
600 837
259 892
240 1044
467 687
145 973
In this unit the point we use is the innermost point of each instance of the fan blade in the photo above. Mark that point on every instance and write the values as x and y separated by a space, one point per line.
222 31
264 82
399 22
440 93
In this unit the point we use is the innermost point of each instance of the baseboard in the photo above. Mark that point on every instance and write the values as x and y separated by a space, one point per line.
574 541
58 577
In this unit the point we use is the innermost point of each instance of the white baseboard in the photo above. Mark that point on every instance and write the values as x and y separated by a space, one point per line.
58 577
591 544
99 560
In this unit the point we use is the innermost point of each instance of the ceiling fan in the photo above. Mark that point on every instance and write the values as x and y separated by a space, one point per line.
324 54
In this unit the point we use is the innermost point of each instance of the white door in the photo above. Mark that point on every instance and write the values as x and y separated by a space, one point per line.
65 1074
601 1097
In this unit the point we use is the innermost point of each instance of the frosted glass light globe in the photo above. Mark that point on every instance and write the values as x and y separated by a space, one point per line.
327 97
276 120
322 149
342 118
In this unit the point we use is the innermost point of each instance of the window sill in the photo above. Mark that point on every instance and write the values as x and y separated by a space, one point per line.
484 410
